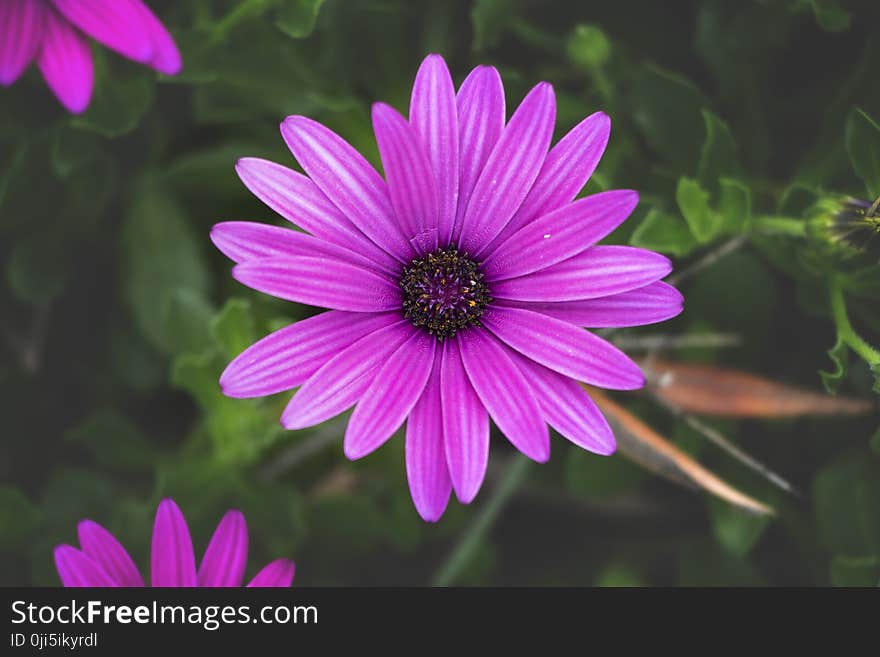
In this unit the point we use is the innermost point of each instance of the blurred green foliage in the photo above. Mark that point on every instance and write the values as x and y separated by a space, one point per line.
117 316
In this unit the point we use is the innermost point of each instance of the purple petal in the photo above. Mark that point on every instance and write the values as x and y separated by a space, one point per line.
226 555
510 170
118 24
433 115
166 57
77 570
65 61
425 242
288 357
481 115
247 240
407 170
21 31
102 547
568 408
342 381
391 396
298 199
426 469
505 393
278 574
564 347
656 302
560 235
566 170
465 426
172 561
600 271
348 180
322 282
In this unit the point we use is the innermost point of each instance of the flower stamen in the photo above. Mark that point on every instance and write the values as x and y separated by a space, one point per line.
444 292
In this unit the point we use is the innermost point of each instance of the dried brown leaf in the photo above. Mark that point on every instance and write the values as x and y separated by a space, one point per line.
641 444
721 392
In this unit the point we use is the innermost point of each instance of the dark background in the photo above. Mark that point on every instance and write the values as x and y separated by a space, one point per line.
117 315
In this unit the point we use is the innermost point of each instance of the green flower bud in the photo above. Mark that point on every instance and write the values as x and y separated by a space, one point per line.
846 227
588 47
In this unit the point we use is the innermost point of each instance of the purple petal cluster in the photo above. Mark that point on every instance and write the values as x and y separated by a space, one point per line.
101 561
458 286
54 34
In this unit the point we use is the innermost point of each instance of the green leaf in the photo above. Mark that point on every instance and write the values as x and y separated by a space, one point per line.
855 571
664 232
875 442
735 530
297 17
165 270
693 201
588 47
38 268
90 189
18 517
251 65
73 149
135 361
600 477
233 328
847 504
668 110
490 19
718 153
862 137
342 519
830 15
199 374
619 574
95 497
738 280
699 565
12 166
839 354
119 103
186 317
114 441
240 429
210 173
734 205
798 197
242 11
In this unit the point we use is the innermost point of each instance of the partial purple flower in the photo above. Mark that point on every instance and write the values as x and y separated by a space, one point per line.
54 34
459 285
102 561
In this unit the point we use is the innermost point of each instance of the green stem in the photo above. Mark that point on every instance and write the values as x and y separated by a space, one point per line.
771 225
242 11
476 533
603 85
845 331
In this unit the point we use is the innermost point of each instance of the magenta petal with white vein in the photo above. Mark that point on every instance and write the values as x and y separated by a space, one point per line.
56 36
102 561
426 468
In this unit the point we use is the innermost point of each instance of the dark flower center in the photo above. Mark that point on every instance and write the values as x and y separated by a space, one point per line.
443 292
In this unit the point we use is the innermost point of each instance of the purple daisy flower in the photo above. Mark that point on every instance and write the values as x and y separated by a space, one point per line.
54 34
102 561
459 286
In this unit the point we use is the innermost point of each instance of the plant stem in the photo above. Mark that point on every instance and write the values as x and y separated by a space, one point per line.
474 535
771 225
845 331
242 11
